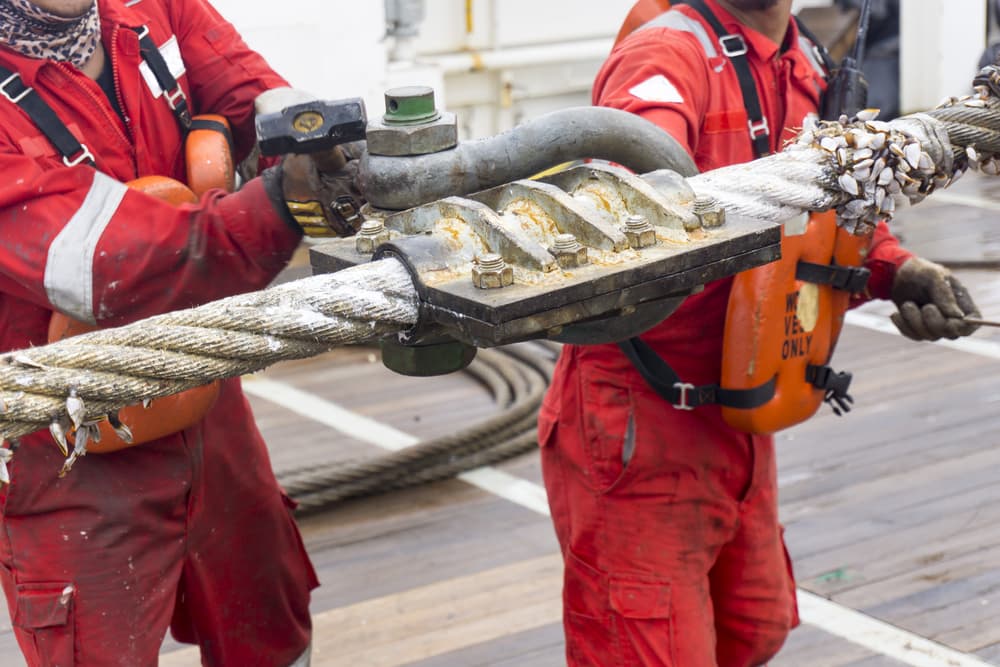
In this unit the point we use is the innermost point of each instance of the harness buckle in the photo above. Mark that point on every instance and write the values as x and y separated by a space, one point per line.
683 388
175 98
759 129
856 280
733 46
17 97
83 156
141 31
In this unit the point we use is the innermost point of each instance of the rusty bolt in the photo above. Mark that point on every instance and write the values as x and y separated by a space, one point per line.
490 271
709 211
639 232
371 235
568 251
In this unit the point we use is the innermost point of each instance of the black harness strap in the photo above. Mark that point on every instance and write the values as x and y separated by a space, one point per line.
214 126
835 386
684 395
735 48
172 90
14 89
73 152
851 279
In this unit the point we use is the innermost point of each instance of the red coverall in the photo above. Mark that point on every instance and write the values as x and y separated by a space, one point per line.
190 531
668 519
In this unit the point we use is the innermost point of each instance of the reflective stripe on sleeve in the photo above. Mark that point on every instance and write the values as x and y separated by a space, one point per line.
69 267
678 21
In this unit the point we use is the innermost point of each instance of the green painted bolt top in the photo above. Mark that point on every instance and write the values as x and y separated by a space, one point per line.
410 105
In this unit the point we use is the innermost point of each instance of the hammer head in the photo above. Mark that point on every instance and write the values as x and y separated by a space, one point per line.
311 126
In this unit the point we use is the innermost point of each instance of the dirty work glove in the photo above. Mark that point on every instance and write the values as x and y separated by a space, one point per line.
321 192
931 301
320 189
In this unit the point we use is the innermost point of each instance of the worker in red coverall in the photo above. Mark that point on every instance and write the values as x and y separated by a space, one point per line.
190 531
668 518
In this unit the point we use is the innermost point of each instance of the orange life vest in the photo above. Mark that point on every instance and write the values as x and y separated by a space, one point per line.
783 322
209 166
783 319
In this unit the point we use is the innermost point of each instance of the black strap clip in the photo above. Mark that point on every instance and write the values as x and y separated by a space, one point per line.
835 384
851 279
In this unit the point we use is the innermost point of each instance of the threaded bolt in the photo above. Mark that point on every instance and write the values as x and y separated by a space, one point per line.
639 232
371 235
490 271
568 251
709 210
565 243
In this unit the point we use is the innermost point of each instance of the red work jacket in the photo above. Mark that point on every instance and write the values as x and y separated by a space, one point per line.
668 76
76 239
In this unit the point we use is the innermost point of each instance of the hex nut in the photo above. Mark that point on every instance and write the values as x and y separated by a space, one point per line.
491 279
709 212
570 258
372 235
417 139
640 239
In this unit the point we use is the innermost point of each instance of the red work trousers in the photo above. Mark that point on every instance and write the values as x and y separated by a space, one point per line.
190 532
668 524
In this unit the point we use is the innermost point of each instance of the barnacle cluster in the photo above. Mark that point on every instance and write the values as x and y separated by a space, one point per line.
879 165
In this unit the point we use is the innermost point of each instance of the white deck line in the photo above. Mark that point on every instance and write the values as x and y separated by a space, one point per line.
830 617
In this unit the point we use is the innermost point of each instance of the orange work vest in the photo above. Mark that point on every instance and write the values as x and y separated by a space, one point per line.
783 322
209 166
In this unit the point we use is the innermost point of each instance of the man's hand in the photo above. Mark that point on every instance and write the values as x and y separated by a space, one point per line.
932 302
321 190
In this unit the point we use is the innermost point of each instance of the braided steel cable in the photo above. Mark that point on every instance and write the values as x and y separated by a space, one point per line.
109 369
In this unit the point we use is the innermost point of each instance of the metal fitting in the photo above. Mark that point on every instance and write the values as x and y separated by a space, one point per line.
371 235
412 125
709 211
639 232
568 251
490 271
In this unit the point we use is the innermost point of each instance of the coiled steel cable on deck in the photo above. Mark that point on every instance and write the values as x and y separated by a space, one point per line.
516 376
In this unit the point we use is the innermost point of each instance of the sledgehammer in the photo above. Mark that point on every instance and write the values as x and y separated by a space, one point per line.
313 127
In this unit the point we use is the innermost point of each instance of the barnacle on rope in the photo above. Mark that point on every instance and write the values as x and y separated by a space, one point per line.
878 165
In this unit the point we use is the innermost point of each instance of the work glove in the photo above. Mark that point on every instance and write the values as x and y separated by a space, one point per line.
319 189
932 302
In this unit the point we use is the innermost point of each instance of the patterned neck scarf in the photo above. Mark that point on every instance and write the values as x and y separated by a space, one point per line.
36 33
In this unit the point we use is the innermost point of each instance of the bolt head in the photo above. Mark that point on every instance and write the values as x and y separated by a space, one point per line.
492 278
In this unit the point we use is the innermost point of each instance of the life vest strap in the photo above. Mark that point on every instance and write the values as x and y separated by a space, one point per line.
835 384
16 92
851 279
172 91
686 396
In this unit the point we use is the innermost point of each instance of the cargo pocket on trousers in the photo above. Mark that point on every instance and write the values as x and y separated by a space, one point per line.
44 613
642 620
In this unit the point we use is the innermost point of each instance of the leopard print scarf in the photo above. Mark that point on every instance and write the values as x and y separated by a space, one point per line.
36 33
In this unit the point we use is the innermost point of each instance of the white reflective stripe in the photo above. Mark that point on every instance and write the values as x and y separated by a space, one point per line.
679 21
69 267
808 48
171 52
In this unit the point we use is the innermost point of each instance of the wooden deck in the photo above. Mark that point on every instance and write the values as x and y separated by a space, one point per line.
892 511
